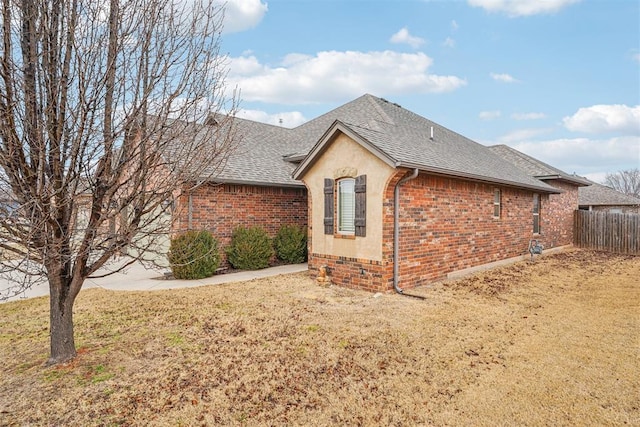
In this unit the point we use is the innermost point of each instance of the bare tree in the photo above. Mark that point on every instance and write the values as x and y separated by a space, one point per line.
625 181
102 110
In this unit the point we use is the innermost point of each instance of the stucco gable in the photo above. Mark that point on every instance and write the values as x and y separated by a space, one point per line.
338 128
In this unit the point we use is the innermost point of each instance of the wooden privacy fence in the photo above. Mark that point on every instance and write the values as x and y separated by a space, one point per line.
606 231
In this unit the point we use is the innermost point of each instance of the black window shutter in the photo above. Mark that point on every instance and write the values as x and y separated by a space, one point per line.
328 206
361 206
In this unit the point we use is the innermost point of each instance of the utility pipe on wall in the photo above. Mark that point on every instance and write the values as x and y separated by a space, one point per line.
396 230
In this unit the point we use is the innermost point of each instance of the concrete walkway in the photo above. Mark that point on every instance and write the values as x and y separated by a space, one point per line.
138 278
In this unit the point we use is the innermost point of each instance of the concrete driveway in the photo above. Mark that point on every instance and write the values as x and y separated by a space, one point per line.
139 278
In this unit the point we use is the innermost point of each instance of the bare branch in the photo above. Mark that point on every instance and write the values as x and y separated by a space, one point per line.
102 111
625 181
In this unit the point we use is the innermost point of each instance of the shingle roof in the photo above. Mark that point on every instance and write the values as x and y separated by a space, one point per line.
401 134
601 195
264 150
405 137
259 156
535 167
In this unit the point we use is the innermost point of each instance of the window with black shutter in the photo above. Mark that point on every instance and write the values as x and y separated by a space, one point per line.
351 214
328 206
360 220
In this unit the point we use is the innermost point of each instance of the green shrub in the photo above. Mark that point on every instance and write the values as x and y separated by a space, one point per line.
291 244
194 255
250 248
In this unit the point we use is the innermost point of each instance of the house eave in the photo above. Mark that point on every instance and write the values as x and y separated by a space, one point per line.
479 178
569 179
629 205
215 181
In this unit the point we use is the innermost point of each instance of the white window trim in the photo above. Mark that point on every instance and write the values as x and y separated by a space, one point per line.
537 213
348 229
497 203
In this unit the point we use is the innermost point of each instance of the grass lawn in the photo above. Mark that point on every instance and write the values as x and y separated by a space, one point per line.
556 342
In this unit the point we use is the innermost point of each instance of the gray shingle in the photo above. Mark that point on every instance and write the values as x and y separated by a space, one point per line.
401 134
535 167
601 195
405 137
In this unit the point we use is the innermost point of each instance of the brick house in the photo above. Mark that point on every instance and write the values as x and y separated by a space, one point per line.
559 208
390 198
598 197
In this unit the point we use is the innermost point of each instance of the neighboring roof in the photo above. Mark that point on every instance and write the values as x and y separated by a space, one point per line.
601 195
535 167
404 139
267 155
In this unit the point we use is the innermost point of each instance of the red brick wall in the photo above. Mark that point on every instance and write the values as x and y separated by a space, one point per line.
448 225
445 225
558 216
221 208
368 275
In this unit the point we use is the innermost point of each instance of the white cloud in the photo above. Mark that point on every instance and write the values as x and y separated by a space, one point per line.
596 176
246 66
586 156
505 78
241 15
522 135
515 8
289 119
449 42
404 37
454 26
605 118
528 116
334 76
489 115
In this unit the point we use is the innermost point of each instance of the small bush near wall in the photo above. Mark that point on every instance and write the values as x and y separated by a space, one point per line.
194 255
291 244
250 248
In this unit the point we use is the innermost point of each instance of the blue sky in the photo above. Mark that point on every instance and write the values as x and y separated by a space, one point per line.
556 79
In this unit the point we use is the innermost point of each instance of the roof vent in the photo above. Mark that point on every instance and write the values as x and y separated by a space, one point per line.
211 120
431 137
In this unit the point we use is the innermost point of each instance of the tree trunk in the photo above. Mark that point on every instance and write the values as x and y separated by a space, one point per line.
63 347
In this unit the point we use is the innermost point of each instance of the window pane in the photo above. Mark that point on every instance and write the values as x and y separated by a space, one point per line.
346 206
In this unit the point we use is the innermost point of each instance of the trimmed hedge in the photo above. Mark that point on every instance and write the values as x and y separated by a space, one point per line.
194 255
250 248
291 244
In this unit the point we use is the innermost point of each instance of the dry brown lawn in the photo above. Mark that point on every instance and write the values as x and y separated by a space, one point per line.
556 342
